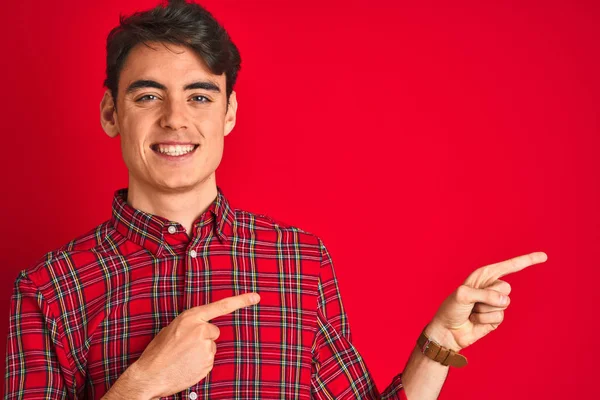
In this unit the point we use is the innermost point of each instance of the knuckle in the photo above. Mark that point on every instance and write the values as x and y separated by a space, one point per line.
462 293
177 332
183 317
223 306
503 300
486 272
504 287
531 259
207 350
494 297
202 330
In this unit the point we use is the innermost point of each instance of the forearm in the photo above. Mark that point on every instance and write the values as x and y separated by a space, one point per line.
423 377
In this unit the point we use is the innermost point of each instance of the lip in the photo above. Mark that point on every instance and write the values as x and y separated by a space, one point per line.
173 143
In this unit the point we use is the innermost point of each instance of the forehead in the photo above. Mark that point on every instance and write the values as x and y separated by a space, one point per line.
171 64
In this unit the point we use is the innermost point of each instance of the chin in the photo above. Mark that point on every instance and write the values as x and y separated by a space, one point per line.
179 184
177 187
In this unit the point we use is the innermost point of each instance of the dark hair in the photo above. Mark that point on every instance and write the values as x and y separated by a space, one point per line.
177 22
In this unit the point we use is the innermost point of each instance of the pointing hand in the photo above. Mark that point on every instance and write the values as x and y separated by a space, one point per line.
477 307
182 353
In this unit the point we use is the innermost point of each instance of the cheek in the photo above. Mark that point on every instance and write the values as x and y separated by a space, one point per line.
215 142
132 143
131 146
212 130
216 152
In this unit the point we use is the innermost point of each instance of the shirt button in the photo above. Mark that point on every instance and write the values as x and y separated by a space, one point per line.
193 254
193 396
172 229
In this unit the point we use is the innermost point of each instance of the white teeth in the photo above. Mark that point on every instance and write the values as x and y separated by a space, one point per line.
177 150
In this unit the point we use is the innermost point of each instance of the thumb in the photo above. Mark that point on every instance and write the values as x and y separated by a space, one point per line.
468 295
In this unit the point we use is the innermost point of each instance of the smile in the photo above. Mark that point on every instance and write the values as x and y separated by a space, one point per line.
172 150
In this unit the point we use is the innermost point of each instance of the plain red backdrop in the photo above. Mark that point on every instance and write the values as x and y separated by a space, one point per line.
446 137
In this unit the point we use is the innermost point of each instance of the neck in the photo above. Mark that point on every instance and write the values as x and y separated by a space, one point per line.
182 206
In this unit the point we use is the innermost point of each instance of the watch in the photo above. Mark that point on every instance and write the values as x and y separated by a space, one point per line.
437 352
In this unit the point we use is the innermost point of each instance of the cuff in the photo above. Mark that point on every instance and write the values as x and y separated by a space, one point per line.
395 390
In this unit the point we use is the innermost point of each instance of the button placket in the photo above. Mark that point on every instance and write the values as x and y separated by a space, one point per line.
192 274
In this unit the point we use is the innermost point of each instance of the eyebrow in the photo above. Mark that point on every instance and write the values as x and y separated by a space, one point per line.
148 83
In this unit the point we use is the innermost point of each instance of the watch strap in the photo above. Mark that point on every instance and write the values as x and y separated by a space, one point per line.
436 352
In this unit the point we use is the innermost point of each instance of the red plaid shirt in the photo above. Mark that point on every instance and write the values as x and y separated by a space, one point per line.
87 311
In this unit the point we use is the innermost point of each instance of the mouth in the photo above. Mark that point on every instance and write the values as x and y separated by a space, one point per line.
171 150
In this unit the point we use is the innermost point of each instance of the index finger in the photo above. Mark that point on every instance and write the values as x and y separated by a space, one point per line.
227 305
515 264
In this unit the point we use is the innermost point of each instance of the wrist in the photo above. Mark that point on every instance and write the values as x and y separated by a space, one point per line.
442 336
132 384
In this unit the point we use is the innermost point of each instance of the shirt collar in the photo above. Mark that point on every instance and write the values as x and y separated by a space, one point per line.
148 230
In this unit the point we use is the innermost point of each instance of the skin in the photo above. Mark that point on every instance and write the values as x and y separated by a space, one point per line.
178 190
182 189
471 312
181 355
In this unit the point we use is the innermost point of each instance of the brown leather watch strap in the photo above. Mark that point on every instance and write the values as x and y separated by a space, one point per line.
441 354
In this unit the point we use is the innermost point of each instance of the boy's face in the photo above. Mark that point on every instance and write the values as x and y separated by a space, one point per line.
172 117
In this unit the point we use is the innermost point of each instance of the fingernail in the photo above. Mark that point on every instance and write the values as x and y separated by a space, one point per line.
503 300
254 298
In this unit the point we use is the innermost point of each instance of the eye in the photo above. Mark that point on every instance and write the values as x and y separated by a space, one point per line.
143 97
206 99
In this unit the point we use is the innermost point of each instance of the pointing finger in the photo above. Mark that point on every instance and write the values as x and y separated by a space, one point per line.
516 264
227 305
483 277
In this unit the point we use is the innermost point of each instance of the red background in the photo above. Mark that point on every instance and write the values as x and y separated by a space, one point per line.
449 137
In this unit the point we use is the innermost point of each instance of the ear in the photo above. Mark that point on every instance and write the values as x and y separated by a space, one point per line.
108 115
231 113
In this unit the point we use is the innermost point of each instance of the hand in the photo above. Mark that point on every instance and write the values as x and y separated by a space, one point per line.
183 352
477 307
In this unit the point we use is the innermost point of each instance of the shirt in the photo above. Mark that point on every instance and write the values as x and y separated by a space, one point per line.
85 312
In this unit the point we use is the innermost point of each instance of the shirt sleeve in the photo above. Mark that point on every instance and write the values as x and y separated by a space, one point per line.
33 352
338 370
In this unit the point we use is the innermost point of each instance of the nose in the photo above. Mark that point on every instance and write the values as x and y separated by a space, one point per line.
174 114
